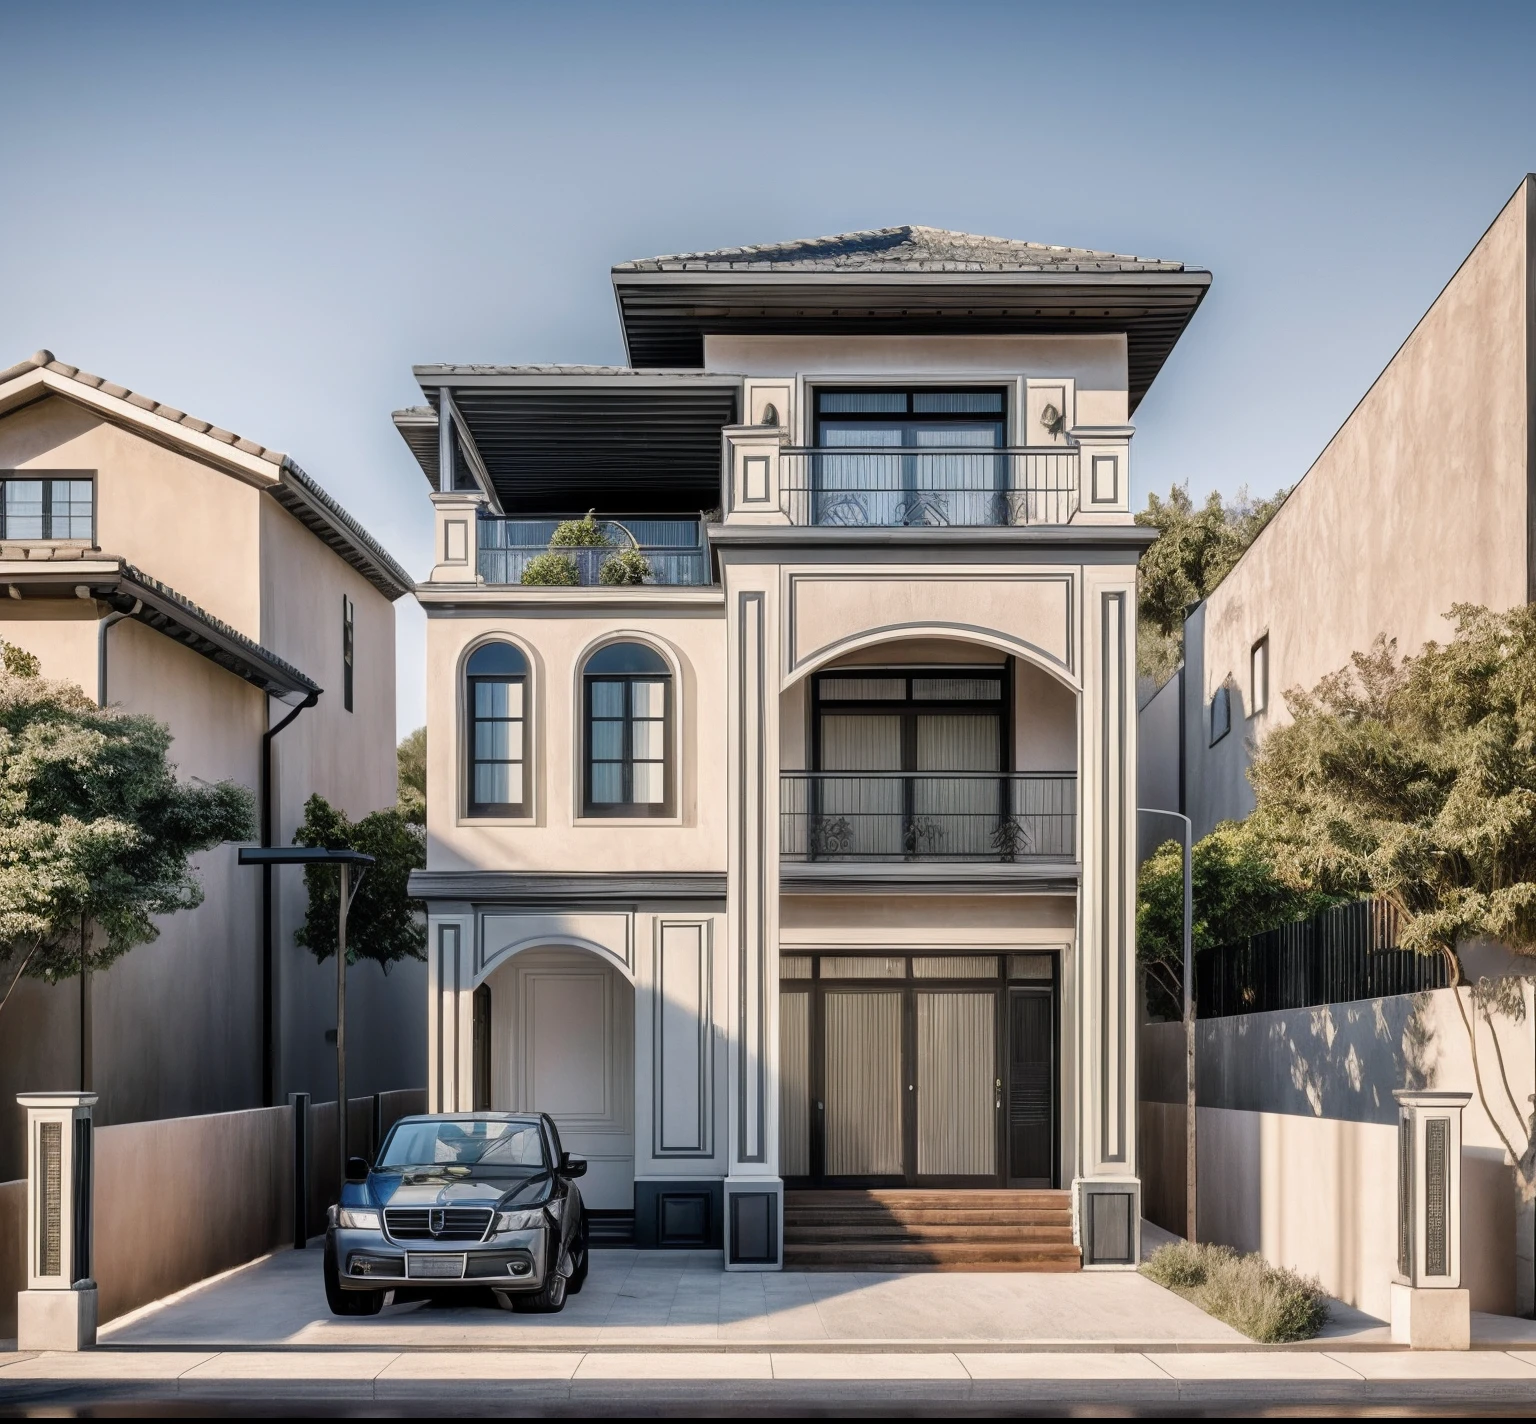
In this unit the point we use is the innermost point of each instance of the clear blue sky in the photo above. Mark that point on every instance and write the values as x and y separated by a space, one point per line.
264 214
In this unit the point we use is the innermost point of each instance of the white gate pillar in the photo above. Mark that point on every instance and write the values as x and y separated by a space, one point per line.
1430 1309
57 1310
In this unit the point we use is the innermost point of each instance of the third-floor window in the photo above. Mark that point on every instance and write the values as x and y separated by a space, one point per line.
910 457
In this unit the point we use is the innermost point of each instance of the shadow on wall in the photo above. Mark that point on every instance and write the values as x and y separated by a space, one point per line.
1297 1136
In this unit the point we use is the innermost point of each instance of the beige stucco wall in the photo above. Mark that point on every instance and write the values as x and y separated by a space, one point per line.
349 758
1419 502
556 836
1097 364
177 1023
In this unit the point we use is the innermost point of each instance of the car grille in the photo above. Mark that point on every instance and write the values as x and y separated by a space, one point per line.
435 1265
437 1223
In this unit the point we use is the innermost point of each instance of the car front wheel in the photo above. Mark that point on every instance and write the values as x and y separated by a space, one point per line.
550 1297
345 1302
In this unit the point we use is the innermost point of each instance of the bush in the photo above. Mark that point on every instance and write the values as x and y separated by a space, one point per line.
626 567
581 534
553 570
1267 1303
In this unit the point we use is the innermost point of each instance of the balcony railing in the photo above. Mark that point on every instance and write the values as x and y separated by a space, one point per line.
952 815
673 550
932 486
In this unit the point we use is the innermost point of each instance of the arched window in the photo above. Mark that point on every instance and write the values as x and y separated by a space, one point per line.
627 697
497 700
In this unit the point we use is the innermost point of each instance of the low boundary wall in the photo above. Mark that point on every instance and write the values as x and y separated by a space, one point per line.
180 1199
1297 1139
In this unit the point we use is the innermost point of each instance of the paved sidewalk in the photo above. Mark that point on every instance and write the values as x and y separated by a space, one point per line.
494 1381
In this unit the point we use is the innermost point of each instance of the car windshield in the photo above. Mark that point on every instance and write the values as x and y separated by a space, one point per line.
511 1145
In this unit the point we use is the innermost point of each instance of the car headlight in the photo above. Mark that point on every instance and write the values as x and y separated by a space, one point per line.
357 1219
519 1220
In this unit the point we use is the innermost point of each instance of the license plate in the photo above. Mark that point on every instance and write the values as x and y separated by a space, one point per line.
436 1266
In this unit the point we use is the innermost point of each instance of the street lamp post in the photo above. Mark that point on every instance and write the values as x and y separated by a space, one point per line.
1187 830
343 860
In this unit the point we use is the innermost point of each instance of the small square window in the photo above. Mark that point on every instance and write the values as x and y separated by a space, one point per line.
1258 677
1221 713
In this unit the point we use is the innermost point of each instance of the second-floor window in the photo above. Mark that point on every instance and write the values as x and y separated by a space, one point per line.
496 680
348 649
627 700
47 508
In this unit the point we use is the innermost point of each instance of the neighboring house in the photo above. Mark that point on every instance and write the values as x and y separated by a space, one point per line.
171 568
1425 497
808 862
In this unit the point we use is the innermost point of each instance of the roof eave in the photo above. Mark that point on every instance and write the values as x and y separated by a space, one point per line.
160 607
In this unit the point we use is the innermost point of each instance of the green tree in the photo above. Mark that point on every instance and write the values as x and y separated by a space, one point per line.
411 776
97 834
1414 779
1194 551
587 533
383 922
1237 893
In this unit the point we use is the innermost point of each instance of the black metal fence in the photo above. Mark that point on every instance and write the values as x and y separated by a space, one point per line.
1348 952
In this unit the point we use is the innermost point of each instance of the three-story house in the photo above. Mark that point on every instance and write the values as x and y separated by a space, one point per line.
805 863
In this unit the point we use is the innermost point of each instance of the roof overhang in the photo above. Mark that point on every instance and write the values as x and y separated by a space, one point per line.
622 441
666 315
268 470
131 591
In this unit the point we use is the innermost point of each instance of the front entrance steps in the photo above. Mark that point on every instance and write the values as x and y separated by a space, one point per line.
915 1229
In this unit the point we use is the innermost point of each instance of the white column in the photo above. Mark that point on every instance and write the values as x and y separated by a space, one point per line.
1106 1190
754 1191
57 1310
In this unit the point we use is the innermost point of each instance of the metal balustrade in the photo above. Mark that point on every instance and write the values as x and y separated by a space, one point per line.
963 487
952 815
673 548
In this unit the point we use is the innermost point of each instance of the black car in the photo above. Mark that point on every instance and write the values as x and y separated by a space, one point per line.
460 1200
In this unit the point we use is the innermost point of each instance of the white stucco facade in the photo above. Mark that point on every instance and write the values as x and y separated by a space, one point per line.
714 956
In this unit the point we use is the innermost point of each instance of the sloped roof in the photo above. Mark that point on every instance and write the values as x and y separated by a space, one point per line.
292 488
908 248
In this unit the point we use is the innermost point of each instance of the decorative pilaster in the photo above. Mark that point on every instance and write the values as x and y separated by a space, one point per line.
1106 1191
754 1214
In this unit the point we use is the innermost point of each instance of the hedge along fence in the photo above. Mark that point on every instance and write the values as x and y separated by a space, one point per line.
180 1199
1336 956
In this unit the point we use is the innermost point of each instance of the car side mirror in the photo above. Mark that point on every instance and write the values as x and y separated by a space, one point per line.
357 1169
572 1166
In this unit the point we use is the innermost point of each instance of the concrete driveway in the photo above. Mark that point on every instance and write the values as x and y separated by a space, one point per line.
680 1299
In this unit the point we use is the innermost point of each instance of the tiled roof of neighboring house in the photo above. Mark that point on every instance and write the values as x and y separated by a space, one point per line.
294 490
31 572
901 249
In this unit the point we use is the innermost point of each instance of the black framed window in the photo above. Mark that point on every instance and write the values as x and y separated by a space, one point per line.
496 679
627 700
348 649
912 719
56 505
